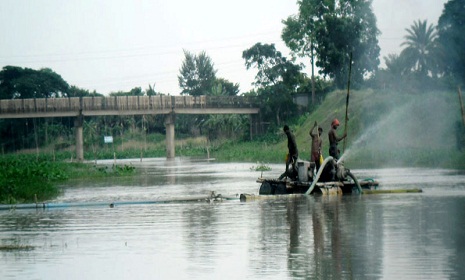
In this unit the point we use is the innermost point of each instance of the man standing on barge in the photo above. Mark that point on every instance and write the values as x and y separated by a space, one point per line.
293 154
316 145
333 140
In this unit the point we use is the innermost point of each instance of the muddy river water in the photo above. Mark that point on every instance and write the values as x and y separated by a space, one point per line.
383 236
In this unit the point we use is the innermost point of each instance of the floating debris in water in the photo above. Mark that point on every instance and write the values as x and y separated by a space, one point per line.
16 247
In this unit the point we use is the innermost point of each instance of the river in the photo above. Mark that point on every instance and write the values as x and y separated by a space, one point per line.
382 236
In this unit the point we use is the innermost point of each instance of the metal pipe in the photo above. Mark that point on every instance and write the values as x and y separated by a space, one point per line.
211 198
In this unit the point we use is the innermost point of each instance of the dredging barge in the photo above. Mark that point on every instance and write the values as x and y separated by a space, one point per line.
332 178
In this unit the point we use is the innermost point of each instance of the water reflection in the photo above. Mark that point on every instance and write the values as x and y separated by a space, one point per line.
320 238
405 236
200 235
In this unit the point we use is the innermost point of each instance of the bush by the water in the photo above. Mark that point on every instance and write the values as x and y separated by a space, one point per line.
23 179
27 178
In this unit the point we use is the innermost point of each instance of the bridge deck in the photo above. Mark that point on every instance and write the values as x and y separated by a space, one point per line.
126 105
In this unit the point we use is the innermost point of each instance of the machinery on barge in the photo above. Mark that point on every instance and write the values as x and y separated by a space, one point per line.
332 178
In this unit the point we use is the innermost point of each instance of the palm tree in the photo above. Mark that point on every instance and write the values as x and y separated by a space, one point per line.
395 65
420 47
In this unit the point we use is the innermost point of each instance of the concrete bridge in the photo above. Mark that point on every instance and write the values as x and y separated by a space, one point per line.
169 106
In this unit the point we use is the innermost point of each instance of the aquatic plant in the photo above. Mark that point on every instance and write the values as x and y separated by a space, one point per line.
31 178
115 169
261 167
26 178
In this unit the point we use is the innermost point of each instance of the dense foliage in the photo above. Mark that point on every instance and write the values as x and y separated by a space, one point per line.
451 27
197 74
31 178
17 82
24 180
334 29
419 52
277 79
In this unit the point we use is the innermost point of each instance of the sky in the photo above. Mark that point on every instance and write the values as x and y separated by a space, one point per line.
117 45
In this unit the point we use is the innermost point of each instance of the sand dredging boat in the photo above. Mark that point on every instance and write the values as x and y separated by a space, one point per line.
332 178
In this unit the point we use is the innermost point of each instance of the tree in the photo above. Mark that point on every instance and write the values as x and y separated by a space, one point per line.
277 77
151 90
395 65
396 75
419 53
299 35
137 91
225 126
223 87
272 66
197 74
17 82
334 29
451 27
74 91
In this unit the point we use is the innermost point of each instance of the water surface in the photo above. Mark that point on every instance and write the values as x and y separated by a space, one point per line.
388 236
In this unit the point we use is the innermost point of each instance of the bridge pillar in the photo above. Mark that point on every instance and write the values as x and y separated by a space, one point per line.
169 127
251 126
79 141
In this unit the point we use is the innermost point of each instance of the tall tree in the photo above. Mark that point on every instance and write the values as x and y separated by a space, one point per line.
334 29
17 82
451 30
272 66
197 74
277 77
300 36
420 50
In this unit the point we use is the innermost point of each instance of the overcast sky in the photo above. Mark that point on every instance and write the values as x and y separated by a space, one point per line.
112 45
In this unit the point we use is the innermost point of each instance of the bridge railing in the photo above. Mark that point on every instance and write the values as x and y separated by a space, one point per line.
118 103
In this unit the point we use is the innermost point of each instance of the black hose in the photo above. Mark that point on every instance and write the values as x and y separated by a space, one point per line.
355 180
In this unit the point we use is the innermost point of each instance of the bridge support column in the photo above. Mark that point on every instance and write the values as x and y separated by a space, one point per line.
254 126
169 126
79 141
251 126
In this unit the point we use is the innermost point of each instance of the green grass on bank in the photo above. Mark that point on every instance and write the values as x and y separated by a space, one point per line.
384 129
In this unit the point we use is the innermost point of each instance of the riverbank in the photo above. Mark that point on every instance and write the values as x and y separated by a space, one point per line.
384 129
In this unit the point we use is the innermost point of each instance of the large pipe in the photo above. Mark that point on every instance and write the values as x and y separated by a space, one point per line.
355 180
392 191
212 198
317 177
244 197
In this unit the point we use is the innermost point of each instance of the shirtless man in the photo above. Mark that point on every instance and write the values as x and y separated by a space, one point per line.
316 145
293 154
